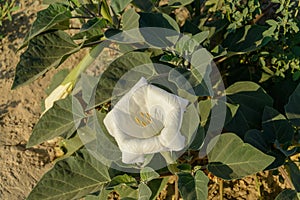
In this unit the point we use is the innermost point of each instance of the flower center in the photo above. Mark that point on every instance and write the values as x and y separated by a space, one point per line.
144 119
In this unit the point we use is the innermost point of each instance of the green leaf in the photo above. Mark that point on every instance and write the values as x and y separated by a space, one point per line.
119 5
71 146
130 19
91 29
156 186
160 30
144 192
55 17
145 5
191 43
44 52
72 178
287 194
104 147
59 120
190 123
148 174
251 99
127 193
109 79
276 124
264 141
57 80
122 179
246 39
192 188
292 108
294 171
231 158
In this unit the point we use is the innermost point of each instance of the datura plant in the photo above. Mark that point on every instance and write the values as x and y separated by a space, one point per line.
169 94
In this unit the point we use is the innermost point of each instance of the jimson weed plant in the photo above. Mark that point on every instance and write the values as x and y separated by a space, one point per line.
193 89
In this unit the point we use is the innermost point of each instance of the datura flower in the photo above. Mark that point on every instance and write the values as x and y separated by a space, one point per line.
60 92
146 120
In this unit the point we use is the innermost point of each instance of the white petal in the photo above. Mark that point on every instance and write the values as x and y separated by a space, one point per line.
130 158
131 144
173 108
60 92
123 103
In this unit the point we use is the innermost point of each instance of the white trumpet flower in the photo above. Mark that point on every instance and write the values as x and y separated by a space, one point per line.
60 92
146 120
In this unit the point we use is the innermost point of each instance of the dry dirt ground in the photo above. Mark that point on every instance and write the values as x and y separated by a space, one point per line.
21 168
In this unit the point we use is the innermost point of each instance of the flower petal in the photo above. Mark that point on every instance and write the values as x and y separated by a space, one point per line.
130 158
173 108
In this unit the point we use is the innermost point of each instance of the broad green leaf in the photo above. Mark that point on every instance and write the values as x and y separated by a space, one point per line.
294 171
198 139
231 158
122 179
157 185
104 147
105 11
132 61
55 17
287 194
148 174
57 121
72 178
264 142
130 19
206 106
190 123
246 39
190 82
201 69
44 52
191 43
276 124
57 80
145 5
86 86
70 146
127 193
292 109
91 29
158 30
193 188
144 192
119 5
251 99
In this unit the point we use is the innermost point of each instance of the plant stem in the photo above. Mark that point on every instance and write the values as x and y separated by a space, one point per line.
257 184
176 188
221 189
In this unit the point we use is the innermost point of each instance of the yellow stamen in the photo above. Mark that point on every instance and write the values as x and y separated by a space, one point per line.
144 124
137 120
148 117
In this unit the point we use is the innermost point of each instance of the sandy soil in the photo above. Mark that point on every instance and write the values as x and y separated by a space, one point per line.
20 109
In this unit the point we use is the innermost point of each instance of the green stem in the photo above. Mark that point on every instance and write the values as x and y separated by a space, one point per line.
221 188
84 63
257 184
